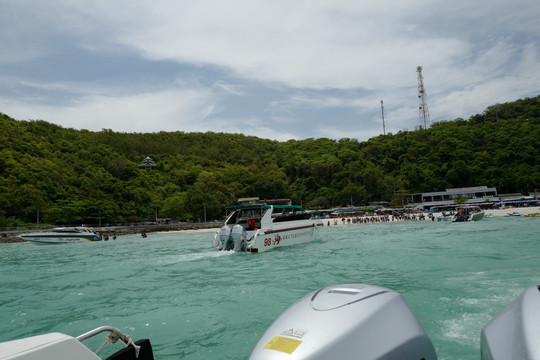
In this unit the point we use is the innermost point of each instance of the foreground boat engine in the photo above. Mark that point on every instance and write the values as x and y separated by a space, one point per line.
515 332
347 322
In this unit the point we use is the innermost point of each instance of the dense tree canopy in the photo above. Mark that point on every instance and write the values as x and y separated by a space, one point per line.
75 176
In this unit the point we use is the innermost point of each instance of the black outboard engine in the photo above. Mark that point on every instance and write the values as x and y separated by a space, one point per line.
346 322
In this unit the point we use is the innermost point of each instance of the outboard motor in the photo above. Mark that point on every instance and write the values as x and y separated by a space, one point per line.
514 332
346 322
217 241
239 238
225 238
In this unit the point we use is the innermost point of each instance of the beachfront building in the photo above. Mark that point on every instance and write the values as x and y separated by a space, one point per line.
478 195
248 201
519 200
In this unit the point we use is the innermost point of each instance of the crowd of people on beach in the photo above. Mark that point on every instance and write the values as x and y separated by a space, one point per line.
377 219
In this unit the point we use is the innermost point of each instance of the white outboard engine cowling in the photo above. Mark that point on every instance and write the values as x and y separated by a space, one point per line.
225 238
346 322
515 332
239 238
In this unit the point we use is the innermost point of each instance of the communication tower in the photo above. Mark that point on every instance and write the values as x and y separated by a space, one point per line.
382 112
423 112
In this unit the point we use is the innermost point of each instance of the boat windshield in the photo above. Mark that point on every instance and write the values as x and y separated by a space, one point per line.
244 215
71 230
292 216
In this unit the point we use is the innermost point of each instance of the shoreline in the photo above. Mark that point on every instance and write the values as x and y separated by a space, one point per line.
520 210
185 228
523 211
118 231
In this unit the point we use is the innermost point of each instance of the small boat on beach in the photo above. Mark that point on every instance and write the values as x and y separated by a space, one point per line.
468 213
62 235
446 216
261 227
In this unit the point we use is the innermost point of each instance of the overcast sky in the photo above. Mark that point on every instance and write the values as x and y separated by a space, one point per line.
274 69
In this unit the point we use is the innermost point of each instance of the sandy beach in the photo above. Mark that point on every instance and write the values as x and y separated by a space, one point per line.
518 210
523 211
339 222
211 227
121 231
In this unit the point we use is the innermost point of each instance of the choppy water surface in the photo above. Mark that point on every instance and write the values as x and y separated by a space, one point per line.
196 303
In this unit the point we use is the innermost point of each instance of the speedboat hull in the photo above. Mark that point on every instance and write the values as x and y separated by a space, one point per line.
62 236
478 216
469 213
292 235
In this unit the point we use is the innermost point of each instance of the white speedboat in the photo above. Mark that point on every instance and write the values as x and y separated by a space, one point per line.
260 227
62 235
468 213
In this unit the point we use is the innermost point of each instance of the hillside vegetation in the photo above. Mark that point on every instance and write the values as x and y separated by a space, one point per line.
75 176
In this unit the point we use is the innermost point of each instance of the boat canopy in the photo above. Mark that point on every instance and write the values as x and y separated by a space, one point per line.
282 208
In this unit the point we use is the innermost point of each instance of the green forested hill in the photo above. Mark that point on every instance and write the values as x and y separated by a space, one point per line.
77 176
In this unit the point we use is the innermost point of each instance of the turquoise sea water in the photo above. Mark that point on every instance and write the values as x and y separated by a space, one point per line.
196 303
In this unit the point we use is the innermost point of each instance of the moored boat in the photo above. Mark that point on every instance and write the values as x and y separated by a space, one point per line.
446 216
261 227
62 235
468 213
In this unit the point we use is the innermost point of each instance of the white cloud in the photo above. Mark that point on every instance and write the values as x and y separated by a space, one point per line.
182 110
300 44
229 88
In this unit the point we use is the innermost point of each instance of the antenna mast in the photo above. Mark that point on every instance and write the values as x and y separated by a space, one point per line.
382 112
423 109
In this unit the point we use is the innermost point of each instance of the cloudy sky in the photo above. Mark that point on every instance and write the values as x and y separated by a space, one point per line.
276 69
